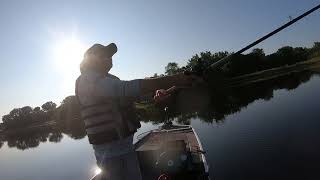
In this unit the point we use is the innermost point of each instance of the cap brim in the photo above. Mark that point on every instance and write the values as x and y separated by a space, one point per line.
110 49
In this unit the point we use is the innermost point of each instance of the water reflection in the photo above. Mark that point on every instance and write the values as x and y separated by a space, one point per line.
206 104
213 105
32 139
67 122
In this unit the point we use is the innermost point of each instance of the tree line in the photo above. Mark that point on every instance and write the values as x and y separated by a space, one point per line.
242 64
20 117
64 116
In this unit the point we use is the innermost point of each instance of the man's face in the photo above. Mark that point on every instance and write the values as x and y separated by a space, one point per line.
108 63
105 64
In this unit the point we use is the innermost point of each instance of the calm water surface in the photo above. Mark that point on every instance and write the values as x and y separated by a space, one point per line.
275 139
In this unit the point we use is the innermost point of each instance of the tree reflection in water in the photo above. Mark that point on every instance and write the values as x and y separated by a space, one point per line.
209 105
27 140
32 139
212 105
67 121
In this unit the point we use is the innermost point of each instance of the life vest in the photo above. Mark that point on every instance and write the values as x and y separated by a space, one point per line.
103 119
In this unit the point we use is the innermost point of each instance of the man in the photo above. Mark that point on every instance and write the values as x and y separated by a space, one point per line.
100 94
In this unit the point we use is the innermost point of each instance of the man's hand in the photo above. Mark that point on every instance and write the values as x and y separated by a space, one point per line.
161 95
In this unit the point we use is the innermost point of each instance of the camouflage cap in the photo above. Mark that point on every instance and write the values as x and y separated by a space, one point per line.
90 60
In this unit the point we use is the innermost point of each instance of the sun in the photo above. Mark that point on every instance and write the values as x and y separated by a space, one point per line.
68 53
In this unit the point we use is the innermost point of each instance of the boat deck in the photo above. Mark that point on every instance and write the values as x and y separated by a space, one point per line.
155 140
175 140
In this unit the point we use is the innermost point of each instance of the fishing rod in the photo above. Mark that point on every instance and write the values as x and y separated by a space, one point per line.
221 62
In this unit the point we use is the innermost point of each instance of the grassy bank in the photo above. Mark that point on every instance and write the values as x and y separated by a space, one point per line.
310 65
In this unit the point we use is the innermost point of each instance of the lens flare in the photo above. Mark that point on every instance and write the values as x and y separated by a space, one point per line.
68 53
97 171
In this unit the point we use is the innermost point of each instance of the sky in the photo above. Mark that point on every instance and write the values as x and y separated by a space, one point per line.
36 36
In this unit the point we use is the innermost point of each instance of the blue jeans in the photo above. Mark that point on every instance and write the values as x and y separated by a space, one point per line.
118 160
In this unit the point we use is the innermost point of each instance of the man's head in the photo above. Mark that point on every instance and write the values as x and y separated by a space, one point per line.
98 58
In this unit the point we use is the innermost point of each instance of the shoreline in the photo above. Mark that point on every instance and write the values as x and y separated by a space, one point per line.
26 129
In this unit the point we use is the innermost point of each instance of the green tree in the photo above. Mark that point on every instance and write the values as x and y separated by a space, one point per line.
258 52
316 46
285 51
49 106
172 68
18 117
315 50
37 109
300 54
25 113
2 127
199 63
70 100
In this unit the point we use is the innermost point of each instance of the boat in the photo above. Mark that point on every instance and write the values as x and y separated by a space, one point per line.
171 152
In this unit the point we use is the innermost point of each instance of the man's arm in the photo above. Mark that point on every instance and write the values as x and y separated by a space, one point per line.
108 87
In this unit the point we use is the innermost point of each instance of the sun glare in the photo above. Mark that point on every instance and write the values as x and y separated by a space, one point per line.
68 54
97 171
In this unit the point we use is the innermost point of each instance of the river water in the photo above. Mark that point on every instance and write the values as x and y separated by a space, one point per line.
275 137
